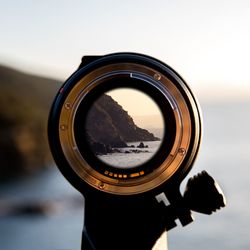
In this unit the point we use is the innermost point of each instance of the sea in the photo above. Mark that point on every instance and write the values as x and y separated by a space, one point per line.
132 156
224 154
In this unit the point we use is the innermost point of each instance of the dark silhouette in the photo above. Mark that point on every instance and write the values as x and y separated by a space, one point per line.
109 126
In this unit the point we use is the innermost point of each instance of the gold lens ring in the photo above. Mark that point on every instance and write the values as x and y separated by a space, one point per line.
181 145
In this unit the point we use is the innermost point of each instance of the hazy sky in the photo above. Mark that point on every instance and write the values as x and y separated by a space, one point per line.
207 42
136 103
142 108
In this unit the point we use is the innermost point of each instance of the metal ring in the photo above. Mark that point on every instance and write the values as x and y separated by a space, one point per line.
187 121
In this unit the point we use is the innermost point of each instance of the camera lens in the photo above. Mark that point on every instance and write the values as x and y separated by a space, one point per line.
113 131
110 139
125 124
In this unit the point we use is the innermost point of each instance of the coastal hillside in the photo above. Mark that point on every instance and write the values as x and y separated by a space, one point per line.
25 102
108 125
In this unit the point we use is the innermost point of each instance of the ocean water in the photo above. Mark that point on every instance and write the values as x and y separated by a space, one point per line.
132 159
224 154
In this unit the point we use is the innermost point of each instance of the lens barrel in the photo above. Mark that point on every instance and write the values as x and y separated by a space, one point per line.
78 137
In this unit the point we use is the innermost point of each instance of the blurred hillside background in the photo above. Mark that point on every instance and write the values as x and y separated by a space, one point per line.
42 43
25 101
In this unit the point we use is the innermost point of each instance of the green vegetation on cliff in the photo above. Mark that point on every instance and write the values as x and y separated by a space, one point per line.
25 102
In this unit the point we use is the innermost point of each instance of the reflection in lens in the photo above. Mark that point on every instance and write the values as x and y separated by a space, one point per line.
124 128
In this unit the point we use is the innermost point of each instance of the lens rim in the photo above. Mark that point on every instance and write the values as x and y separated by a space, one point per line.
156 71
118 82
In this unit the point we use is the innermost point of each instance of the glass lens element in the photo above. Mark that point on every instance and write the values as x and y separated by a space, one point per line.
124 128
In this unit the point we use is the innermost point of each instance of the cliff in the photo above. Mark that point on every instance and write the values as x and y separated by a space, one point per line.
25 102
109 126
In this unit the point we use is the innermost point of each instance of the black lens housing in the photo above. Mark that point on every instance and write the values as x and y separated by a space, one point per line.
177 103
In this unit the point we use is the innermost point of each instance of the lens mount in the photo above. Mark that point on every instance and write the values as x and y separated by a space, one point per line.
180 111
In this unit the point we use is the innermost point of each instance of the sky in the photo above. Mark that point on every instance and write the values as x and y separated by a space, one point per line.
136 103
150 118
206 42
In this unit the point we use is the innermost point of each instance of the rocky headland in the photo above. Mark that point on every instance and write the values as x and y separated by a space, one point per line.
109 127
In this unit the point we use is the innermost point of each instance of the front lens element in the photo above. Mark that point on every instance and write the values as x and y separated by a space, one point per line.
126 126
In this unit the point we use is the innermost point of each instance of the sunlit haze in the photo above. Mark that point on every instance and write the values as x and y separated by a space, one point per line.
207 42
144 111
134 101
